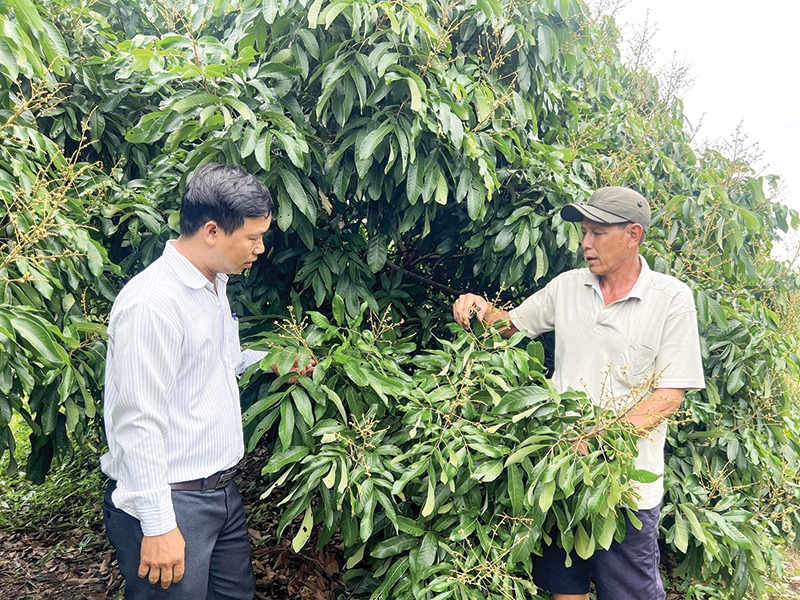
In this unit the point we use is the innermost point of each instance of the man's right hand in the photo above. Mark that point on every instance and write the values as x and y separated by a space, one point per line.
468 306
162 558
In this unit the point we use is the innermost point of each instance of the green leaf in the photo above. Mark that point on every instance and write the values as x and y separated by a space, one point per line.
694 523
410 526
735 380
241 108
295 148
475 199
430 500
416 94
28 16
548 44
428 549
286 426
262 150
680 533
356 557
441 188
546 499
73 414
304 533
488 471
606 537
333 11
313 13
355 373
37 337
365 151
287 457
645 476
394 546
298 194
542 264
521 399
395 572
584 543
338 310
8 60
491 8
337 401
192 101
413 182
303 405
516 492
377 252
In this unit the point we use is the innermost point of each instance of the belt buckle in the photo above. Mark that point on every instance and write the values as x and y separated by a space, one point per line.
226 477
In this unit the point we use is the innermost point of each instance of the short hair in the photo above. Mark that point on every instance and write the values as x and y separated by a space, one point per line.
225 194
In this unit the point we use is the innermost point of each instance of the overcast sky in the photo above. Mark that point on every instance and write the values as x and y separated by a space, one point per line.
743 57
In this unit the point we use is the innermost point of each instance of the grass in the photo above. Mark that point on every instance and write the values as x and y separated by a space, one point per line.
69 497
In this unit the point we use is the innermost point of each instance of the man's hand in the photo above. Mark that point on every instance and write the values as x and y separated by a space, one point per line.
468 306
579 445
162 558
304 372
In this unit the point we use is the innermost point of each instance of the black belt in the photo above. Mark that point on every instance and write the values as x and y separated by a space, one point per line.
213 482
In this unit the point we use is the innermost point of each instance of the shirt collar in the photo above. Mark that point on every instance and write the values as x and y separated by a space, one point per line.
643 282
187 273
637 291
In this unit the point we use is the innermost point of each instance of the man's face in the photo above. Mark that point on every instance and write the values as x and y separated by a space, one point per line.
608 248
238 250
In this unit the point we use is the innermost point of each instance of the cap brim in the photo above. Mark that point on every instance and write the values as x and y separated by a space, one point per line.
578 212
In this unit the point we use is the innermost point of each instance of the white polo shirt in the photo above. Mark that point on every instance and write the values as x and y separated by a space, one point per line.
618 354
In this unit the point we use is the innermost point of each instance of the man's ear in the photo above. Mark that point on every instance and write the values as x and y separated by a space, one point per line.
636 233
210 231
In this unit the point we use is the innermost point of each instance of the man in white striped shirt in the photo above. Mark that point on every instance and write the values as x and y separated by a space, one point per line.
172 412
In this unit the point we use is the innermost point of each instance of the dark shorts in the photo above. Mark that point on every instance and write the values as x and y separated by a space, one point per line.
626 571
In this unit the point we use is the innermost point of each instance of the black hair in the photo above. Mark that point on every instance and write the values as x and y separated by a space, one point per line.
225 194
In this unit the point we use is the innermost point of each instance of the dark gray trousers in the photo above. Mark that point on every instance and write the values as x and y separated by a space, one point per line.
218 563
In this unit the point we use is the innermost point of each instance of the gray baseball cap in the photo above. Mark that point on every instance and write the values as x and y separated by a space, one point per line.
611 205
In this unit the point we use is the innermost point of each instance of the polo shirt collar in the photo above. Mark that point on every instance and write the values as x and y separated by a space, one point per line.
187 273
637 291
643 282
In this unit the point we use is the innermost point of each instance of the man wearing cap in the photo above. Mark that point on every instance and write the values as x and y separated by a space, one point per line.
628 337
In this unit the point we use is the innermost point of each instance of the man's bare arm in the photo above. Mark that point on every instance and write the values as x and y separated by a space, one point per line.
653 410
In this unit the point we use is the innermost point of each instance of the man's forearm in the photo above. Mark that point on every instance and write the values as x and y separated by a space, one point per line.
653 410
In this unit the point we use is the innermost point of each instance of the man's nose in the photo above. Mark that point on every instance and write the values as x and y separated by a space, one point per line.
259 249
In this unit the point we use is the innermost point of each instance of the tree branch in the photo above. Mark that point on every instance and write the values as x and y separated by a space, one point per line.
425 280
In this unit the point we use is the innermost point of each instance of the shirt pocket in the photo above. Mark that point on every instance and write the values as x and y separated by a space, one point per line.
634 364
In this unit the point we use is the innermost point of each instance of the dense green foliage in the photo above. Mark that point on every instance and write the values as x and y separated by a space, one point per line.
444 469
415 150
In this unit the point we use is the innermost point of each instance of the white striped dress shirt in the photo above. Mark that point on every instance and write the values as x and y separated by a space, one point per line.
171 405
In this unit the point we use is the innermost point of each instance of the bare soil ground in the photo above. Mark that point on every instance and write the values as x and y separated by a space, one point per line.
79 564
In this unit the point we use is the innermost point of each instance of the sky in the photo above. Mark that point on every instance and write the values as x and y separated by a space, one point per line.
744 60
